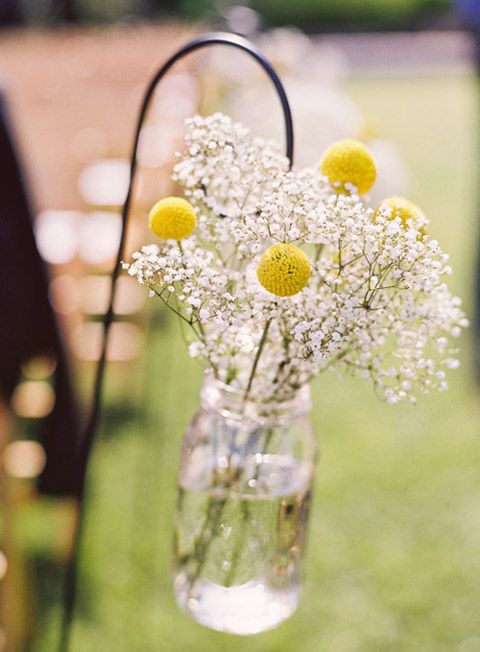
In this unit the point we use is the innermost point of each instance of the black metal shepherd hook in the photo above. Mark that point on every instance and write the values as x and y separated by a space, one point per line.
70 589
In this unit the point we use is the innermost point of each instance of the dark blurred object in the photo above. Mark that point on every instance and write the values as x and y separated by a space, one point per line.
469 14
469 11
28 326
51 12
331 15
10 13
310 15
64 11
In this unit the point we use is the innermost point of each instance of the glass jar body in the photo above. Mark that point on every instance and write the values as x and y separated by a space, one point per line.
244 493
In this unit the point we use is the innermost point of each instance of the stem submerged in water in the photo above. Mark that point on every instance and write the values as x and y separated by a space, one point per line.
202 545
245 517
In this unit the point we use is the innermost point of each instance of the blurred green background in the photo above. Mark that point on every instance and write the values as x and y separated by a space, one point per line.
393 561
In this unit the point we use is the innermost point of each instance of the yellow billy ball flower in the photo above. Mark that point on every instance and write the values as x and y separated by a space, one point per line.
348 161
284 269
402 208
172 218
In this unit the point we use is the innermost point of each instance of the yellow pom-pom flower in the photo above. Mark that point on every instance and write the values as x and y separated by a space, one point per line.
284 269
172 218
349 162
402 208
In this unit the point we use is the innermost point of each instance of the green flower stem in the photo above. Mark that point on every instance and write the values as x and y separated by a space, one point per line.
202 544
214 512
245 517
215 508
263 340
245 514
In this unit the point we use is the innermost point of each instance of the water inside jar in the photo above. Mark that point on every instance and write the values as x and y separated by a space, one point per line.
238 547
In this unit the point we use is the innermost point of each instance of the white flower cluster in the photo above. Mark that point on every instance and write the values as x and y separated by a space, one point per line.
376 303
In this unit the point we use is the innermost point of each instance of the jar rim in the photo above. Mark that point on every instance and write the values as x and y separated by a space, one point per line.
230 402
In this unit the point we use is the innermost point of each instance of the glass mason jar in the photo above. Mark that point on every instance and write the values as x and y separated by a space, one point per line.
244 494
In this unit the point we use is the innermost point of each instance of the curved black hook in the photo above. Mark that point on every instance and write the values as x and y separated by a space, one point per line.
203 41
216 38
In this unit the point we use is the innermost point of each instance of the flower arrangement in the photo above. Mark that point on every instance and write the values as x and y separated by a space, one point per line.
282 274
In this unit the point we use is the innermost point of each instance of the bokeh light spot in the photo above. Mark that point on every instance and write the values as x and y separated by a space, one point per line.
24 459
33 399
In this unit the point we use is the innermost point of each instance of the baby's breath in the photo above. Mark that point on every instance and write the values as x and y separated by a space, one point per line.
375 303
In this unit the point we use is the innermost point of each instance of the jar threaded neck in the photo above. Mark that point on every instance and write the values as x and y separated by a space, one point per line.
230 402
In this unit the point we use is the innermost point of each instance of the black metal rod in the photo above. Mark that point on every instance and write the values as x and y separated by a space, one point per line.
216 38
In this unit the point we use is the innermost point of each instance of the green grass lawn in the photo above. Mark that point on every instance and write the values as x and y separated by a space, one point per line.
393 561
